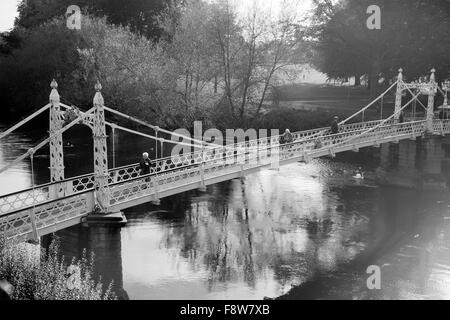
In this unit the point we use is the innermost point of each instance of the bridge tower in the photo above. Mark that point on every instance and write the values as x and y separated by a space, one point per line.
398 96
100 151
432 89
56 143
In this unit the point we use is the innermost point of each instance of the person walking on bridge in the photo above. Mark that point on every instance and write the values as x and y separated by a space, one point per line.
144 164
335 125
287 137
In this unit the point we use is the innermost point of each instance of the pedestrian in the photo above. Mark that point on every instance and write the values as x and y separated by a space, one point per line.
145 164
335 125
287 137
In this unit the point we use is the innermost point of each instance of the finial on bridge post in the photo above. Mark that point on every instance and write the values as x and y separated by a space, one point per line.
433 76
98 86
54 95
98 98
400 74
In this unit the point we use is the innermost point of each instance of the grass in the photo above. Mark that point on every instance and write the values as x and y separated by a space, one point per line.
44 276
314 97
306 91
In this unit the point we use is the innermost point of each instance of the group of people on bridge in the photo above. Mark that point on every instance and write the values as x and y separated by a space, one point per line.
288 137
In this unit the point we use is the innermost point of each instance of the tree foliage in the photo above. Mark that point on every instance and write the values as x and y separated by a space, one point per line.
46 52
213 65
414 35
139 15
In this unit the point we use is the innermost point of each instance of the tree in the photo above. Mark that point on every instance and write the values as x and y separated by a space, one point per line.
135 73
49 51
139 15
228 63
347 47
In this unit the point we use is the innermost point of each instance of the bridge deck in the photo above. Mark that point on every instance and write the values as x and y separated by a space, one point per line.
51 209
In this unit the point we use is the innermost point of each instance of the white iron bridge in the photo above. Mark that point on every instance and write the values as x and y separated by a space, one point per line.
31 213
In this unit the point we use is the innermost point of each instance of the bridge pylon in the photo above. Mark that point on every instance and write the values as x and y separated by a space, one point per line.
56 142
101 176
398 96
432 90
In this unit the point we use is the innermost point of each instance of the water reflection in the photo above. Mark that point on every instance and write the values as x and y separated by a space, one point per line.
248 238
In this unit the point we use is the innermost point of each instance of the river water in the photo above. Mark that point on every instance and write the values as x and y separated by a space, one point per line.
308 231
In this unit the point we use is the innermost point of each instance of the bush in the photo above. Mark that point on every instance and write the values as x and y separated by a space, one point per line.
44 276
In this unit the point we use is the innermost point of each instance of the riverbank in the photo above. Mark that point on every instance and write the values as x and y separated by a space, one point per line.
35 273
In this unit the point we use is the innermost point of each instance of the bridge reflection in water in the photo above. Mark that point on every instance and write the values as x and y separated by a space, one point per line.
424 163
308 227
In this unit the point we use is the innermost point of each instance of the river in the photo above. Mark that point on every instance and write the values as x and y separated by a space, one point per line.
308 231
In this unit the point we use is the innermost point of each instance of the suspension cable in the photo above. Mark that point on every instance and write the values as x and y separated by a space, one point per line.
420 102
22 122
382 105
44 142
155 127
381 124
151 137
31 151
156 145
113 133
370 104
32 216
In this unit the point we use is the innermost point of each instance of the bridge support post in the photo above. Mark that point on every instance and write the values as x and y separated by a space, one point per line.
100 152
398 96
430 106
36 239
102 214
202 172
56 143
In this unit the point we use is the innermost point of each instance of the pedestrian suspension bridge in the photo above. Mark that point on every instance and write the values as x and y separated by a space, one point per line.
63 202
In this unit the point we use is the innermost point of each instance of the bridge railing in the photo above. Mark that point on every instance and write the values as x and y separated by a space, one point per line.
52 214
41 193
259 145
441 126
224 163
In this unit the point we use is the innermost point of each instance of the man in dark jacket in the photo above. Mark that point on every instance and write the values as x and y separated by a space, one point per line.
287 137
145 164
335 125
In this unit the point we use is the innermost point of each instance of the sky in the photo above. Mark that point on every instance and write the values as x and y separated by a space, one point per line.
8 9
8 12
